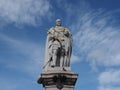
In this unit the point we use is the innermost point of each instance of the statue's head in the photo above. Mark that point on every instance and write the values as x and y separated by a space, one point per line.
58 22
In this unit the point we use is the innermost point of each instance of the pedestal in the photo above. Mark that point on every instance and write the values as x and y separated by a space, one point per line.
58 79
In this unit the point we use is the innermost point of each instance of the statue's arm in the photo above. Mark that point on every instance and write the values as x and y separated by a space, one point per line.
50 34
67 33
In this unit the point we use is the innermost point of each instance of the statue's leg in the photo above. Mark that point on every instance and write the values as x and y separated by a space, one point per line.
64 63
61 61
62 58
54 57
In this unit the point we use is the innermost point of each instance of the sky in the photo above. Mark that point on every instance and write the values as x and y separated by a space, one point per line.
95 28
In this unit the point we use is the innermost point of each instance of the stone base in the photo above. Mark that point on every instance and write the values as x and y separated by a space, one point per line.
58 69
54 88
58 79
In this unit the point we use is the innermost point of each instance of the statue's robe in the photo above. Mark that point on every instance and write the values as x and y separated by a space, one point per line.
64 38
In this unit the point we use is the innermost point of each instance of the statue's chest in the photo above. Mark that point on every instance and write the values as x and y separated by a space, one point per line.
59 32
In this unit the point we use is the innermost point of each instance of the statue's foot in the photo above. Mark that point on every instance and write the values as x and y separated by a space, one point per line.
64 69
52 66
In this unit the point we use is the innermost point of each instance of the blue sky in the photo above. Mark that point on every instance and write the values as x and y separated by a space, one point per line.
96 41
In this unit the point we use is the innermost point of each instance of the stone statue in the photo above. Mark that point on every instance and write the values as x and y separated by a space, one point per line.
58 47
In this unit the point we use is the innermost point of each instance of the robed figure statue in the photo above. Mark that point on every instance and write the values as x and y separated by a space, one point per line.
58 47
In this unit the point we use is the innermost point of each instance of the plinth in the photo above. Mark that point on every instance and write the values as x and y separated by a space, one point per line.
58 78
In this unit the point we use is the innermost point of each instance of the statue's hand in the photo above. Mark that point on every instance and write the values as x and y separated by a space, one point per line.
59 39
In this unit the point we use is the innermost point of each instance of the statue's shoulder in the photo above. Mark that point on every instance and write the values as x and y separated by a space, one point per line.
51 30
66 29
67 32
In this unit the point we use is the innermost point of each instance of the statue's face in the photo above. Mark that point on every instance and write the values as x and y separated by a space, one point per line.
58 23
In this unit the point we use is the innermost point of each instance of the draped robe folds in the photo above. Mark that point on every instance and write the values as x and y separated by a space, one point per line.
64 41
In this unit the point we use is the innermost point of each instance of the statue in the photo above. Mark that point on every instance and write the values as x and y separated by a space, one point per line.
57 74
58 47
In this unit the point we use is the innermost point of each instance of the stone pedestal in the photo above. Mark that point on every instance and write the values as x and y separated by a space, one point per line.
58 79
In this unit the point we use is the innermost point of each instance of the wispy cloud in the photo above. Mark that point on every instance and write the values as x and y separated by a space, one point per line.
23 11
7 84
98 38
109 80
29 56
75 58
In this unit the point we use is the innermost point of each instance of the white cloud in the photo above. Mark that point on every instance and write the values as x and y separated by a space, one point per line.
109 80
109 88
110 77
97 38
75 58
23 11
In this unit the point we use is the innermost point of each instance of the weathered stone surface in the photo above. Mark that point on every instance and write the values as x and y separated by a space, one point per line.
58 79
58 47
